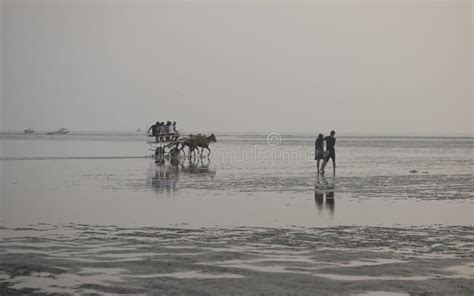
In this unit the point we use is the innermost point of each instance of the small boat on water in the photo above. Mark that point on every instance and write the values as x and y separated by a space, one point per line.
29 131
61 131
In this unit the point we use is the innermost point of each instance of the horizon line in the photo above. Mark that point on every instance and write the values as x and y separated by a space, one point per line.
284 132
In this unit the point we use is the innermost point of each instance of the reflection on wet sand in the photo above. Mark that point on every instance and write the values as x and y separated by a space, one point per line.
324 194
164 175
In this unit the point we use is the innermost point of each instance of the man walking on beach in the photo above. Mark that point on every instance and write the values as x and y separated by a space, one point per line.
331 152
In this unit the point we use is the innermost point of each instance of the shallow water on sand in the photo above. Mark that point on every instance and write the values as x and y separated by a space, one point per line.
246 182
81 211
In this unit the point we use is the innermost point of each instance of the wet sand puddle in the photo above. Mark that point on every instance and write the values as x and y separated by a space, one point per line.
74 258
421 186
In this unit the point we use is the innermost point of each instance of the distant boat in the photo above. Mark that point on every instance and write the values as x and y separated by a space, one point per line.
61 131
29 131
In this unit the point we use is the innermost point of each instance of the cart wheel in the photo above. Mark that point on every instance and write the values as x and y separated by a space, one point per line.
174 152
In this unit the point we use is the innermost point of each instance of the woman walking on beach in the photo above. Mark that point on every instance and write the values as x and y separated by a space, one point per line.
318 149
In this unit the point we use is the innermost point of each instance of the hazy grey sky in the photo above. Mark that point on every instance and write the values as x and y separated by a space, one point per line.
353 66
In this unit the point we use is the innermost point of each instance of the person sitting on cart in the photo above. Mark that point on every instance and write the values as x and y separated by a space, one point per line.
174 131
168 130
171 128
159 131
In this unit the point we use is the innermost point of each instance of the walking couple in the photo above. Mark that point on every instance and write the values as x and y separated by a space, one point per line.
330 152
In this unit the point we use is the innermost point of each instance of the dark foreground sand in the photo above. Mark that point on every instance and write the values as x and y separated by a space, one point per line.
93 259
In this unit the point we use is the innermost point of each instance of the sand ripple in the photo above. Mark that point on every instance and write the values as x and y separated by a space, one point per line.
78 258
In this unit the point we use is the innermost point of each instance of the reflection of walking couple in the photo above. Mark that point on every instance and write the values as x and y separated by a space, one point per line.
322 189
330 204
330 152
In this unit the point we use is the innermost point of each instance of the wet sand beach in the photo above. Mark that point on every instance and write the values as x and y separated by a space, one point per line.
91 214
343 260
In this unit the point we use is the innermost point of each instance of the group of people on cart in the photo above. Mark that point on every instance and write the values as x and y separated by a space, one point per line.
163 132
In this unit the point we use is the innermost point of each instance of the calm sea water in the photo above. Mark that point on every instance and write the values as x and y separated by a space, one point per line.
107 179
